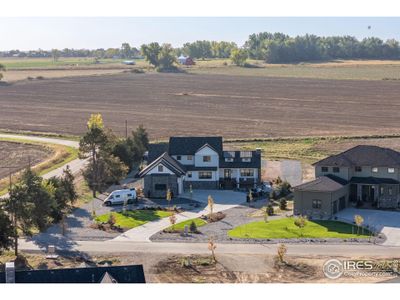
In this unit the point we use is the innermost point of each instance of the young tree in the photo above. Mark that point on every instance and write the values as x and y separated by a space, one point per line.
250 195
2 68
6 231
172 220
169 197
166 58
359 220
281 252
193 227
112 219
210 201
239 57
212 246
300 222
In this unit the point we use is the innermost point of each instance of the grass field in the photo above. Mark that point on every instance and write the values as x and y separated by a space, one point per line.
285 229
181 226
134 218
45 158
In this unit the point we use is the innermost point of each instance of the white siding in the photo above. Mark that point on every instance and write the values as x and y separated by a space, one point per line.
154 170
184 160
206 151
236 173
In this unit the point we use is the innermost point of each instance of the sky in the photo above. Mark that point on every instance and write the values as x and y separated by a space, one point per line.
31 33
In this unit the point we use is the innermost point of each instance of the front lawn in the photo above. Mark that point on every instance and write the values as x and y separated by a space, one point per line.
285 229
133 218
181 226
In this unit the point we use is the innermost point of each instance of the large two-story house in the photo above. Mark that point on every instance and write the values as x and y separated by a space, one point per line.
198 163
363 175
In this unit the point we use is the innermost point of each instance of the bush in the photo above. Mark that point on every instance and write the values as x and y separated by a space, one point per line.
270 210
285 188
193 227
111 219
283 204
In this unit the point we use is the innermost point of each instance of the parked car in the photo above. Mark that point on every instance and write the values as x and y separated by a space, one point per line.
121 197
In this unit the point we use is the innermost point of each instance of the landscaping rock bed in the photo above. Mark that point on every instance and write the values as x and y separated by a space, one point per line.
241 215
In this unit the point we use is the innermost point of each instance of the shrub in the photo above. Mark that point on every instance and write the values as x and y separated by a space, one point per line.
285 188
283 204
111 219
193 227
270 210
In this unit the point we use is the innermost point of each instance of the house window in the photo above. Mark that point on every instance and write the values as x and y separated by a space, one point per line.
245 154
160 168
358 169
228 159
205 175
246 172
316 204
246 159
335 169
324 169
160 187
390 191
375 170
178 157
190 157
390 170
189 174
206 158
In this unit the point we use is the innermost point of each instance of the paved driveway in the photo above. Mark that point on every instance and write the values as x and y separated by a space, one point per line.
386 222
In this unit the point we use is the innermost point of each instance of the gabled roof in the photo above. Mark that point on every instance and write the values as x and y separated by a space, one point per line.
189 145
207 145
363 155
168 162
107 278
122 274
328 183
155 151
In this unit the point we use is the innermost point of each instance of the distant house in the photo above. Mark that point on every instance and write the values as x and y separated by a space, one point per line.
366 176
185 60
199 163
114 274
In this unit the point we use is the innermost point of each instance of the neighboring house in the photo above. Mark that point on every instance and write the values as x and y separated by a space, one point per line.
199 163
363 175
117 274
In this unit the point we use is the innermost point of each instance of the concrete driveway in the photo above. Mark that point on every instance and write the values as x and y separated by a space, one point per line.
386 222
224 197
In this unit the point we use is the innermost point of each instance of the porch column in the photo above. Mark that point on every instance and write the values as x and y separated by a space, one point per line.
237 178
359 192
376 194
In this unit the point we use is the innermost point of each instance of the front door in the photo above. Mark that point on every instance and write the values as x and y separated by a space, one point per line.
227 173
367 193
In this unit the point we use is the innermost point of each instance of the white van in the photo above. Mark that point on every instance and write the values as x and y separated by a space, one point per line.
121 197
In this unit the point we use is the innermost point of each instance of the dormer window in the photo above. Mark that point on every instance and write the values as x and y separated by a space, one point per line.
160 168
228 159
245 154
246 159
178 157
358 169
374 169
390 170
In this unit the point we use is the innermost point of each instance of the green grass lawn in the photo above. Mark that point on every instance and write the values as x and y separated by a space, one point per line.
181 226
134 218
285 228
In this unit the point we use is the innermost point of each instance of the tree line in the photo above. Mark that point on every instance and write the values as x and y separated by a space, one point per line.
35 203
270 47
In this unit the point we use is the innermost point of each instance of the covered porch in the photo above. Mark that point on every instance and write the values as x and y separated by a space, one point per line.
374 192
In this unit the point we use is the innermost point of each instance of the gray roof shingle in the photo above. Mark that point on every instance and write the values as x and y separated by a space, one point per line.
329 183
363 155
189 145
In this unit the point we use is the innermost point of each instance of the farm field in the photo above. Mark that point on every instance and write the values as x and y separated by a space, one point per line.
187 104
14 154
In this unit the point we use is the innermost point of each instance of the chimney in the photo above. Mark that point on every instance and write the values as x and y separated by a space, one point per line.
10 272
258 150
